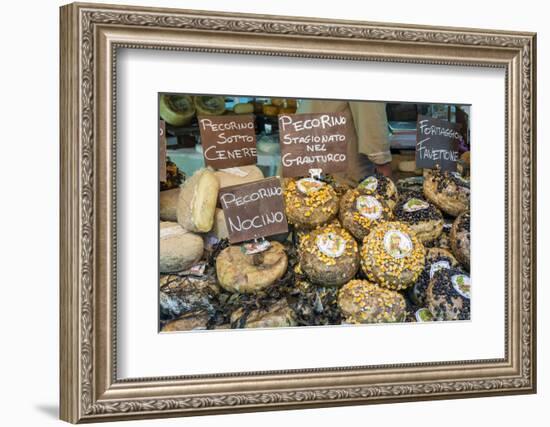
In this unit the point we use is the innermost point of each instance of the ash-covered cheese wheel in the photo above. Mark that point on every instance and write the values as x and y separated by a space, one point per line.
329 255
359 212
179 248
381 185
187 322
449 191
392 256
309 202
244 273
276 315
364 302
197 201
460 239
448 295
423 217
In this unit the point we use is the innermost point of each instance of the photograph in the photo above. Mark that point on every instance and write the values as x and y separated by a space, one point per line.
263 211
288 212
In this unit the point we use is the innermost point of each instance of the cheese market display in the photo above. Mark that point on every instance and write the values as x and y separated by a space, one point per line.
400 264
356 251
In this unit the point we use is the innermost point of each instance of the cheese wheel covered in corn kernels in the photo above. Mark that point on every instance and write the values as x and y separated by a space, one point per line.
359 213
309 202
329 255
361 301
392 256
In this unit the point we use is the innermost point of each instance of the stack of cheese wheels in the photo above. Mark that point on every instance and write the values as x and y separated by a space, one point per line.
392 256
364 302
329 255
179 248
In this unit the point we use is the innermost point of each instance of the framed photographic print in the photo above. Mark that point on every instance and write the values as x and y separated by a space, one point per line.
267 212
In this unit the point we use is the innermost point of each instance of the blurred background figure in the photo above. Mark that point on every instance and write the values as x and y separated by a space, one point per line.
369 151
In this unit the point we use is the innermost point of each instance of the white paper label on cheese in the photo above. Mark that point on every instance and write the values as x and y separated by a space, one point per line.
423 315
172 231
369 207
331 244
397 244
460 178
309 185
439 265
414 205
235 171
255 247
461 283
370 183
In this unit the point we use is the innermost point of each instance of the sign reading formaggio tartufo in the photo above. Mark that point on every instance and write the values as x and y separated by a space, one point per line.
314 141
254 209
228 141
437 143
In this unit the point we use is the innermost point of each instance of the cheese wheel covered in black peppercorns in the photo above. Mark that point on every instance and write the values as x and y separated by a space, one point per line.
449 191
423 217
460 239
448 295
436 259
380 185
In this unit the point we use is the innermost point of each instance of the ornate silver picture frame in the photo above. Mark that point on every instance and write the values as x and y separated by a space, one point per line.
90 37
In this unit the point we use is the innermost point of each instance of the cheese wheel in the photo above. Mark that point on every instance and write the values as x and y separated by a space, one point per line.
409 166
177 110
270 110
168 201
246 273
209 105
277 315
179 249
287 110
239 175
220 228
197 201
243 108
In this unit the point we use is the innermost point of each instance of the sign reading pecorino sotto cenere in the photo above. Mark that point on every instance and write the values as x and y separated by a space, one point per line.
314 141
228 141
254 210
